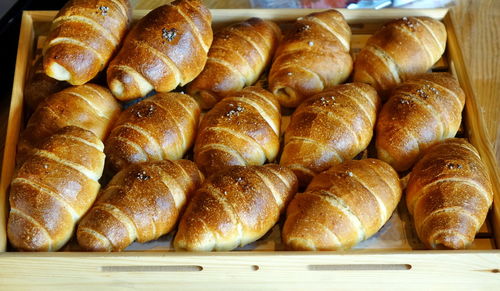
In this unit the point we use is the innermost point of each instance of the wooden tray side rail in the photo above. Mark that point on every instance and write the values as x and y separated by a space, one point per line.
474 122
255 269
24 55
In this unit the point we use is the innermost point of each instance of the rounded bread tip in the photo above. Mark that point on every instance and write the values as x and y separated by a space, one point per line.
287 96
90 243
58 72
117 88
302 174
447 242
384 155
25 236
206 99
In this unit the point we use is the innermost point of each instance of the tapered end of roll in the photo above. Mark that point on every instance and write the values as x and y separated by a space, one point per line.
198 229
287 96
304 175
291 87
92 241
393 147
306 159
304 228
59 62
398 165
127 84
120 153
445 241
25 235
100 231
367 69
57 72
212 159
447 229
205 98
24 150
191 238
117 88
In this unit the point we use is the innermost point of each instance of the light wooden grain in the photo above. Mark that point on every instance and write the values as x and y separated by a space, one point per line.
477 131
254 270
24 51
478 32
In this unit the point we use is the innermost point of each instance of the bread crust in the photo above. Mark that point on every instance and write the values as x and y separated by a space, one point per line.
313 56
166 48
449 194
84 36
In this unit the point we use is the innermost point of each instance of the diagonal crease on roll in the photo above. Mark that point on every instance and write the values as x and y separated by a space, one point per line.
40 86
235 207
162 127
242 129
53 189
419 113
399 50
313 56
342 206
449 194
238 56
83 37
329 128
142 202
88 106
168 47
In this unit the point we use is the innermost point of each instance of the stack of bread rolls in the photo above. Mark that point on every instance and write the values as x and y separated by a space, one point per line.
204 164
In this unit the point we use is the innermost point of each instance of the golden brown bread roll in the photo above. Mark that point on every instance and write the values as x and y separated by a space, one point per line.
342 206
399 50
329 128
420 112
142 202
235 207
166 48
54 187
40 86
238 56
88 106
240 130
83 37
162 127
449 194
313 56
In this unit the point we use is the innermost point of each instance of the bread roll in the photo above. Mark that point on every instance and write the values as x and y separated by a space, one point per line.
240 130
420 112
142 202
342 206
313 56
236 59
400 50
88 106
83 37
40 86
449 194
329 128
53 189
162 127
235 207
166 48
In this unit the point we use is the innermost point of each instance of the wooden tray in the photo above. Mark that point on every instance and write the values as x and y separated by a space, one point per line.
475 268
